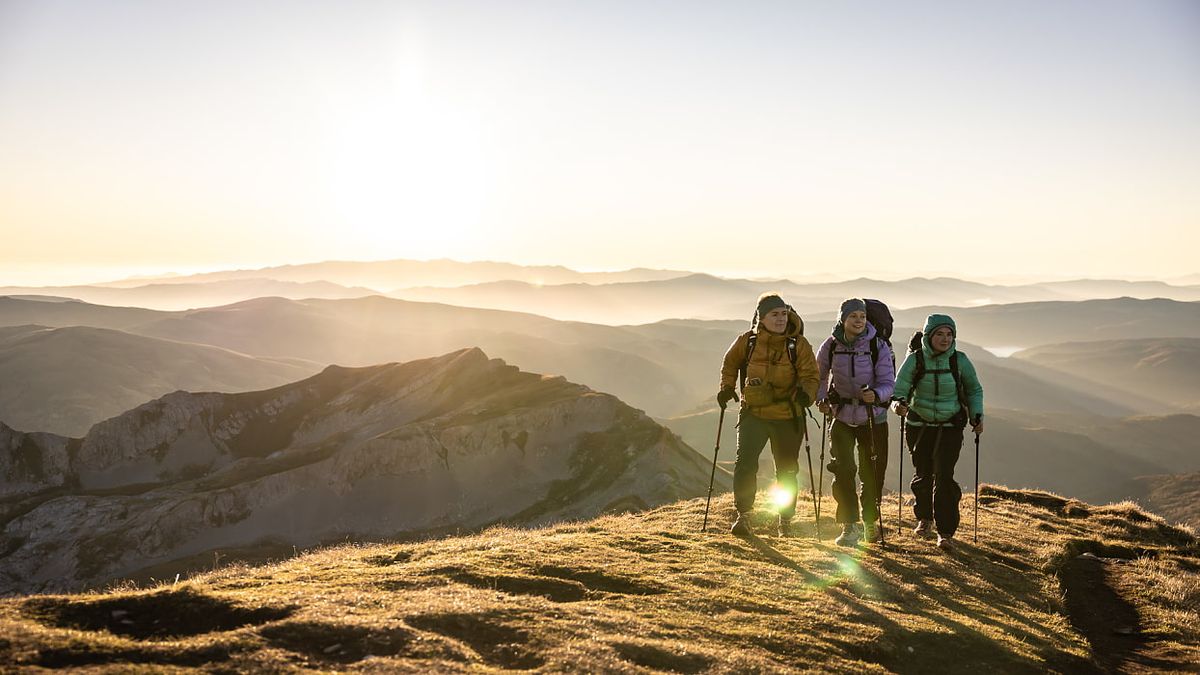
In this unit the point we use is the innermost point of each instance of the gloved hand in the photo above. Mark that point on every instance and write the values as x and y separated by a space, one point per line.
803 400
724 395
824 407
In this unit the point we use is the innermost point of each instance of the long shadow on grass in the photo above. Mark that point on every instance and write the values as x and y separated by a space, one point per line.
902 649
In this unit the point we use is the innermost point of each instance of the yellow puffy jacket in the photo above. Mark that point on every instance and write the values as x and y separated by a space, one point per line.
771 364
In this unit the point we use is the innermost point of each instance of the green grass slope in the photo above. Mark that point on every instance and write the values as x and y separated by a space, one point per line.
1053 585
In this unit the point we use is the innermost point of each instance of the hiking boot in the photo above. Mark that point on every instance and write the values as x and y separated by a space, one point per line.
871 533
741 526
785 527
924 528
849 535
946 543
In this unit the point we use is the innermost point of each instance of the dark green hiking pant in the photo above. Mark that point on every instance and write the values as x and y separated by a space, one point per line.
752 434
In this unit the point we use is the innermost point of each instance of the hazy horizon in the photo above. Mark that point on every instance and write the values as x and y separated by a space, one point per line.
51 276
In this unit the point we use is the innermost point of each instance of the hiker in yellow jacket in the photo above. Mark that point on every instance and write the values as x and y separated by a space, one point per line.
777 371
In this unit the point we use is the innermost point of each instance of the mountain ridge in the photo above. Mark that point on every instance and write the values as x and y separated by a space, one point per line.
457 441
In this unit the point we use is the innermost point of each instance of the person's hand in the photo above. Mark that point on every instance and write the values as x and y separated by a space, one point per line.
901 408
802 398
977 426
724 395
868 395
825 408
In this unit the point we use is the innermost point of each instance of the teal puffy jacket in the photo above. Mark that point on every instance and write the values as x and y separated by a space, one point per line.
934 399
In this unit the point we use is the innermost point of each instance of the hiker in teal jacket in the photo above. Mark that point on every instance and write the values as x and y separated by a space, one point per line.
938 392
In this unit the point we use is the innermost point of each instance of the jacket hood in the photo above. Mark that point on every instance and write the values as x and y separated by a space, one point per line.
933 321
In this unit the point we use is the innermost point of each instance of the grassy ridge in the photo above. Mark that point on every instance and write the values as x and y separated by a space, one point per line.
649 591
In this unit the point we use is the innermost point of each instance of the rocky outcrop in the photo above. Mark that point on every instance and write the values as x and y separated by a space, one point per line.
454 442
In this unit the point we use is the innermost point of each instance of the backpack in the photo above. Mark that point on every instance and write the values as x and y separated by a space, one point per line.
880 316
914 347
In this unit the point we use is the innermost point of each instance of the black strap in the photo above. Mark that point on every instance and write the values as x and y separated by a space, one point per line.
751 341
959 390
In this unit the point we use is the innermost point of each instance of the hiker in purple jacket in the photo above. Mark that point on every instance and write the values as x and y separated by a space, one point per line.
857 376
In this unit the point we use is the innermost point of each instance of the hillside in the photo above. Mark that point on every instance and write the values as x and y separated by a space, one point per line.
64 380
455 442
1164 371
1176 497
1099 589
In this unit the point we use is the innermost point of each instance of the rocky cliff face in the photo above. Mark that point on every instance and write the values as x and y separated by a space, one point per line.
458 441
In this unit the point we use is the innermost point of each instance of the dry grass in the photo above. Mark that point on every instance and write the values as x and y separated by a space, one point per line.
645 592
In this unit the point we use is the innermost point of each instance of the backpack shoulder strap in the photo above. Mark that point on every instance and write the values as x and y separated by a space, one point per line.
791 349
920 372
751 340
874 354
958 385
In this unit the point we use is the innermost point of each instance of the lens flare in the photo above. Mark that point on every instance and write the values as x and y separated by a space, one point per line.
781 497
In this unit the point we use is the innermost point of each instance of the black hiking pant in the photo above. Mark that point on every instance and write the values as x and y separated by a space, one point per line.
935 451
843 439
753 432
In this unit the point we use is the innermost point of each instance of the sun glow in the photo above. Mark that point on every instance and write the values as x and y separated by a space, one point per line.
781 497
408 168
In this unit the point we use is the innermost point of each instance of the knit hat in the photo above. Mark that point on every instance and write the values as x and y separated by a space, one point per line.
851 305
768 302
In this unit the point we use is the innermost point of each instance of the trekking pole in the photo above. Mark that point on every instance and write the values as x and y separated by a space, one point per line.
876 483
811 487
713 475
900 486
821 473
977 482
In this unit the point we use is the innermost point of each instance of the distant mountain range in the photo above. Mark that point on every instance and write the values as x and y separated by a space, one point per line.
191 295
1164 372
65 380
614 298
665 368
384 274
703 296
458 441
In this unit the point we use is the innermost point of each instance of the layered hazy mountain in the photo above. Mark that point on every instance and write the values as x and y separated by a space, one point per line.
666 368
614 298
1163 372
704 296
185 295
64 380
386 274
458 441
1041 323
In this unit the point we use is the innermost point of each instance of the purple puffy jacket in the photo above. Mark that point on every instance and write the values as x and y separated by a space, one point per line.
851 370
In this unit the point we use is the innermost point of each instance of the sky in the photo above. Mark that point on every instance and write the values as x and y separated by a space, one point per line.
982 139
